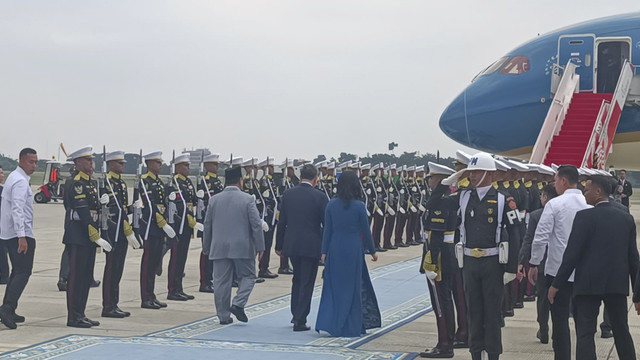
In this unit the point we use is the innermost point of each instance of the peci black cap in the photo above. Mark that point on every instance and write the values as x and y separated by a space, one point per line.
232 175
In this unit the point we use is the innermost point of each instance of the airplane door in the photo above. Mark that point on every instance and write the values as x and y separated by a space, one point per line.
578 49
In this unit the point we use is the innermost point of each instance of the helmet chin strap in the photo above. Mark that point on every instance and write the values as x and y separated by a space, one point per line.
482 178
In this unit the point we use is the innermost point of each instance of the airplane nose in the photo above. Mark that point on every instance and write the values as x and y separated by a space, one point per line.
453 121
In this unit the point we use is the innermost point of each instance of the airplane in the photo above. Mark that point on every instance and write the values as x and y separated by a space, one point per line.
503 109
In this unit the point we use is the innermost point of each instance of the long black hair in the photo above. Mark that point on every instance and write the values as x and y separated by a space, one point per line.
349 187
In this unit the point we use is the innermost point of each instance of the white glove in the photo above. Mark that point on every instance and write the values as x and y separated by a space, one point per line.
266 194
401 210
508 277
391 211
169 231
431 275
138 204
368 191
104 199
422 208
379 211
172 196
199 227
200 194
133 242
104 244
265 226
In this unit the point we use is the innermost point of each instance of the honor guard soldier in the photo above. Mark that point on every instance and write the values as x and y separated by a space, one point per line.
423 190
249 180
403 207
369 190
81 234
322 172
438 259
487 252
208 186
413 220
380 189
268 211
119 234
153 228
329 180
391 207
289 180
505 185
182 197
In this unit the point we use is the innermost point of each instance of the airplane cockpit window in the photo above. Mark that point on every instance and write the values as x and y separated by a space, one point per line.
516 66
492 68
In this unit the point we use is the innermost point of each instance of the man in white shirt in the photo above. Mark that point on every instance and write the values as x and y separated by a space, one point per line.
552 234
16 233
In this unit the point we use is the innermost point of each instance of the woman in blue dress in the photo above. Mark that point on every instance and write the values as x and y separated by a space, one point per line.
348 306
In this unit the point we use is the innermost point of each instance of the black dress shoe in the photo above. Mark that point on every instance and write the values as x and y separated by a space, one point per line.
150 305
226 322
18 318
379 249
403 245
177 297
414 243
259 280
508 313
206 289
160 303
518 305
390 247
285 271
62 285
529 298
189 297
301 327
436 353
95 283
543 336
267 274
239 313
6 317
460 344
92 322
112 314
125 313
79 323
606 333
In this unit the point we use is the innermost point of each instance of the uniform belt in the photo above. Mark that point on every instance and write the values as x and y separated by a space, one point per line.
480 253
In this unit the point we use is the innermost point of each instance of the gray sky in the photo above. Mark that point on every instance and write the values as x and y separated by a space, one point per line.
254 77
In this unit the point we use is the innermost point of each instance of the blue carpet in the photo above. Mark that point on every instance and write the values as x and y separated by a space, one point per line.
402 296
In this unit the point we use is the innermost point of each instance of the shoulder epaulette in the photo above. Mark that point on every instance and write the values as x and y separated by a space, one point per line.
81 175
528 184
495 185
540 186
516 184
506 184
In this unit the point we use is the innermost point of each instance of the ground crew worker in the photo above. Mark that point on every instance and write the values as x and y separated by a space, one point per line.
119 234
153 228
209 185
438 259
81 235
487 252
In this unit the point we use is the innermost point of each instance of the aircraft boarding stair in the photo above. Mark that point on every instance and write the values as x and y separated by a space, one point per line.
579 127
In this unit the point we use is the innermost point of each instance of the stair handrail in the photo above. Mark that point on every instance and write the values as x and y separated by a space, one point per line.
569 85
609 128
589 158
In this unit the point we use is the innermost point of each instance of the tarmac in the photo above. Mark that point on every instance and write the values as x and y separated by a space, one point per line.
45 307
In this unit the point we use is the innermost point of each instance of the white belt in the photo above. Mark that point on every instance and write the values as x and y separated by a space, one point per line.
479 253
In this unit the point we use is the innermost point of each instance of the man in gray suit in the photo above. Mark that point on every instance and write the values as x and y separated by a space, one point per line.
232 237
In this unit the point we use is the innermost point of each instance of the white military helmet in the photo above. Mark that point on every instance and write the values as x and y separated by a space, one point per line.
481 161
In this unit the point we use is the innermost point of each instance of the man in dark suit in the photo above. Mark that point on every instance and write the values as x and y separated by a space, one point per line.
602 250
624 189
299 237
